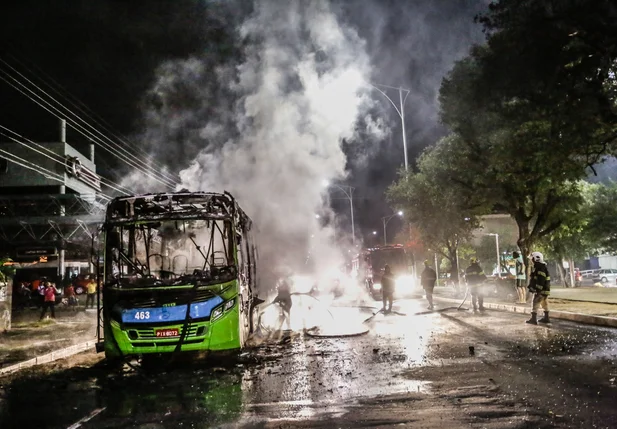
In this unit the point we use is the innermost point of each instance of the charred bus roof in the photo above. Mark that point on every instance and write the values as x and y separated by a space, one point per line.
175 205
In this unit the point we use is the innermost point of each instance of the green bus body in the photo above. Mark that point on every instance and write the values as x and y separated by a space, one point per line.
154 311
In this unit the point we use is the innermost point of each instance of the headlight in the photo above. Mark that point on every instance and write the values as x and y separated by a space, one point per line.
377 286
216 313
229 304
404 281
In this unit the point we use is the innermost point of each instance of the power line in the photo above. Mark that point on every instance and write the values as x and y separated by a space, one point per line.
88 112
60 115
30 165
58 159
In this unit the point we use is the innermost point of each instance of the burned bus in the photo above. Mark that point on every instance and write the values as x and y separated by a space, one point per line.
368 267
179 274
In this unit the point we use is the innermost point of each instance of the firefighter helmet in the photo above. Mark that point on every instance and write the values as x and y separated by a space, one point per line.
537 257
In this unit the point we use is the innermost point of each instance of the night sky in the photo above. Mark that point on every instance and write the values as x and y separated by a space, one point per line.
105 53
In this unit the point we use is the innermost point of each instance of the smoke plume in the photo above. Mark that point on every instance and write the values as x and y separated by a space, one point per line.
298 92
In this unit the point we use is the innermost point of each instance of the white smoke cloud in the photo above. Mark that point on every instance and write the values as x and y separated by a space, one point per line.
300 91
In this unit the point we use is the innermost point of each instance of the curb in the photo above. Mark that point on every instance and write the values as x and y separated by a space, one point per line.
588 319
49 357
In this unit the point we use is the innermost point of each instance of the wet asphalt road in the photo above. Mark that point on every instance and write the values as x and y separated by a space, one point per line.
413 368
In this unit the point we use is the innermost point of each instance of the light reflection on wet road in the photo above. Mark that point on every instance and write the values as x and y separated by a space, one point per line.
316 379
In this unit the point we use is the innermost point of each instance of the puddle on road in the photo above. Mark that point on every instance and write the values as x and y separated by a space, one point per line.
299 379
302 378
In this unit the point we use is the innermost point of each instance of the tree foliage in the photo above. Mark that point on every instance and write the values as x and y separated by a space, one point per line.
532 109
443 217
572 239
6 269
601 219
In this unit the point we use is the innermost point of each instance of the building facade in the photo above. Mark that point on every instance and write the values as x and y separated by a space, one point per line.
50 208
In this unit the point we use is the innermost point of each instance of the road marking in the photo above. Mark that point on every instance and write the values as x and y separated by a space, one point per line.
89 417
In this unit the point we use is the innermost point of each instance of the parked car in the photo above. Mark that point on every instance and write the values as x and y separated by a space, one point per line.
588 274
606 275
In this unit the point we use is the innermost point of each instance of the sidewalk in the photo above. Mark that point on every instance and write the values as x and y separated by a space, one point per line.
28 338
589 305
606 295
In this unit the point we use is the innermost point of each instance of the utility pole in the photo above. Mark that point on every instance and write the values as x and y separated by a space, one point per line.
400 109
437 269
498 257
348 191
385 221
492 234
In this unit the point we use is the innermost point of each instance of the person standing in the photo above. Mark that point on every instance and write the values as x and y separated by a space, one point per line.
540 286
49 300
428 279
474 275
91 290
520 277
69 293
387 288
40 290
283 299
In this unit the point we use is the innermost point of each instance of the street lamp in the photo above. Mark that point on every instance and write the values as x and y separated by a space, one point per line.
385 221
374 232
348 191
399 109
497 249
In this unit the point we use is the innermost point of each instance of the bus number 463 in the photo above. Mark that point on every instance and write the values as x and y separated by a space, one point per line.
142 315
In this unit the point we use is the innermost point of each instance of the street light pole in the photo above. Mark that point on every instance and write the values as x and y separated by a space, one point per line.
497 250
498 258
353 227
349 195
399 109
385 221
402 101
436 269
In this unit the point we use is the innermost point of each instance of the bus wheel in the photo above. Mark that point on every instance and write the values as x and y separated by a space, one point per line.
113 363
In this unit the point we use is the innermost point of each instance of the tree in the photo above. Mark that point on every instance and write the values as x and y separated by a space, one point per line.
557 61
7 269
517 144
442 216
601 226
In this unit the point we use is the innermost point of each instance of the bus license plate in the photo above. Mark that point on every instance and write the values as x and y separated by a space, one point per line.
163 333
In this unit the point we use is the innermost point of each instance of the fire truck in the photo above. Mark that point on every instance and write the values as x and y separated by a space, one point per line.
368 268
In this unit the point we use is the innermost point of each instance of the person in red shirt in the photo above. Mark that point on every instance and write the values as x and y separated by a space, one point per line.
49 300
69 292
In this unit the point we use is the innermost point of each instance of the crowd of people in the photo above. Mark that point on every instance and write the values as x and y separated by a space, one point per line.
45 295
539 284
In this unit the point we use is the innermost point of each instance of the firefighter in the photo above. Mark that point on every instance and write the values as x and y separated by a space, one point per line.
428 279
387 288
475 277
283 299
540 286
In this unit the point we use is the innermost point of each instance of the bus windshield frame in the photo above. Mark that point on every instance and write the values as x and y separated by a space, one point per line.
171 251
